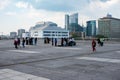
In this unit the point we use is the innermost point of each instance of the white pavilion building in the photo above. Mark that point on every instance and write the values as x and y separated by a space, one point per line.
49 30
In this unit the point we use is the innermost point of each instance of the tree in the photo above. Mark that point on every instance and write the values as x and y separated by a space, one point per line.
100 36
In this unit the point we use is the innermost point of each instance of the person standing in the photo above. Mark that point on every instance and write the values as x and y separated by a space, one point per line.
101 41
55 41
16 43
52 41
23 43
35 41
27 41
93 45
62 40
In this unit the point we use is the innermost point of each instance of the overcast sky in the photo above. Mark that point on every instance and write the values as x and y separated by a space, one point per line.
16 14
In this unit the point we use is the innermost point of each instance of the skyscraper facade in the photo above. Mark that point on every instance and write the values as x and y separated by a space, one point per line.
91 28
20 31
109 27
73 18
66 22
71 23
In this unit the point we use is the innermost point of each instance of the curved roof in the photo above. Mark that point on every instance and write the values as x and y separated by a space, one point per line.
46 26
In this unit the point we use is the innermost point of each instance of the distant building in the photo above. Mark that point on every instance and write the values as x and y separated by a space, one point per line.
91 28
73 18
13 34
48 29
25 35
71 23
66 22
109 26
20 32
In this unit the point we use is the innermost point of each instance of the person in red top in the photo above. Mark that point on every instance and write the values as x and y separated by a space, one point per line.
93 45
16 43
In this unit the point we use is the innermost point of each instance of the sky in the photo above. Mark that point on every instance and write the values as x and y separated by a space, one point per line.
17 14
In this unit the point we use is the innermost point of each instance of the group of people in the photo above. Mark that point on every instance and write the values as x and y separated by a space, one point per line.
99 41
54 41
64 41
68 42
24 41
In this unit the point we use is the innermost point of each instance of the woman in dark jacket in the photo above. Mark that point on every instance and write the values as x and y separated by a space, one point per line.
16 43
93 45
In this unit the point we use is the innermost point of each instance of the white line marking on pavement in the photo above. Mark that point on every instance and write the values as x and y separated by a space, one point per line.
70 48
118 51
8 74
100 59
23 51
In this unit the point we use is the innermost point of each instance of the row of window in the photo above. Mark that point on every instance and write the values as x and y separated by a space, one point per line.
48 33
53 35
53 32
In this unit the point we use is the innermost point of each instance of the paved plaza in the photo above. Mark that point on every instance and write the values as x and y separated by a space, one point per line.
47 62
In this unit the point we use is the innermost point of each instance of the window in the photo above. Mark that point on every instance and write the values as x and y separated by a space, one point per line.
64 32
46 32
53 34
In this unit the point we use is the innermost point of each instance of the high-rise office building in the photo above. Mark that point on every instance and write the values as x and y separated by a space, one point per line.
109 26
66 22
71 23
20 32
91 28
73 18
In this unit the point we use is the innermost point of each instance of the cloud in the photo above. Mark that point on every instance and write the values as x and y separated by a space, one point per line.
22 4
101 4
11 13
104 0
98 8
43 15
44 10
26 13
4 3
59 5
63 5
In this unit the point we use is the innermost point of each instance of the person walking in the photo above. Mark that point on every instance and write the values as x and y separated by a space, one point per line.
93 45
